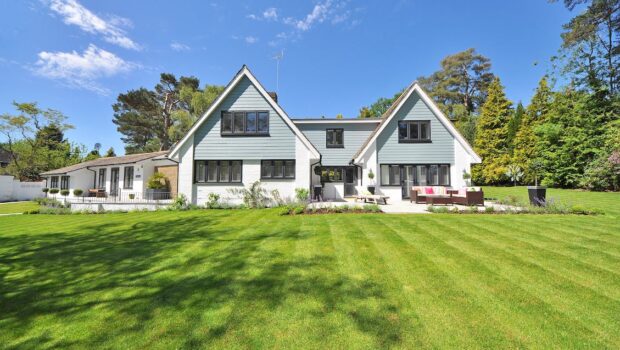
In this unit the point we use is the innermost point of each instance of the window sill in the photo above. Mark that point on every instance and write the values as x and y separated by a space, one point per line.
276 178
218 183
245 135
415 141
328 146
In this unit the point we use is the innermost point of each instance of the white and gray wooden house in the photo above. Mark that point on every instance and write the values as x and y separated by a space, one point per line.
246 136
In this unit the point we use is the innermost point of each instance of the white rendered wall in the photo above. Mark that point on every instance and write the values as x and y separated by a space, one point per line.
186 174
462 162
15 190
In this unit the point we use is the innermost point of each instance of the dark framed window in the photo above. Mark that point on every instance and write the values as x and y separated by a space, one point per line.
64 182
332 174
218 171
128 177
101 178
244 123
54 182
420 175
334 138
277 169
414 131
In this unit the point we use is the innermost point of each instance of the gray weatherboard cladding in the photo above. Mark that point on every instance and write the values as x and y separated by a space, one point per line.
209 144
354 137
441 150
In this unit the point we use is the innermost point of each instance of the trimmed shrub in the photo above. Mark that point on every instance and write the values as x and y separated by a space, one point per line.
64 193
78 192
54 190
45 190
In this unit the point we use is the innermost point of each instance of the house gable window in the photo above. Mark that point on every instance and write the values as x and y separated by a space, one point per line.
54 182
218 171
64 182
423 174
101 183
334 138
414 131
244 123
128 178
277 169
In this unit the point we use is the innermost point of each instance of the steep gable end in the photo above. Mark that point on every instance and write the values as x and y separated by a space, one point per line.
423 103
244 92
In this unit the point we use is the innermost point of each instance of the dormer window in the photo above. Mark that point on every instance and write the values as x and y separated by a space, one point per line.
245 123
335 138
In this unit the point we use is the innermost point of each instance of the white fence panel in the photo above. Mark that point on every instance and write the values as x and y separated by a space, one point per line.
15 190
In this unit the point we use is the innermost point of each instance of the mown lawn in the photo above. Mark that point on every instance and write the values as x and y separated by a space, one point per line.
17 207
253 279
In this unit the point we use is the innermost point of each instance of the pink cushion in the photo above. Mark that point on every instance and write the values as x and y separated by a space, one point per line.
428 190
462 192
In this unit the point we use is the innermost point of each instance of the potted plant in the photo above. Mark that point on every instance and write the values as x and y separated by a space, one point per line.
371 185
157 186
78 192
537 194
45 190
514 173
132 196
64 193
467 178
54 190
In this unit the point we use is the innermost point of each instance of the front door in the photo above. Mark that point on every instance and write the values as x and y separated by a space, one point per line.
407 179
114 182
350 180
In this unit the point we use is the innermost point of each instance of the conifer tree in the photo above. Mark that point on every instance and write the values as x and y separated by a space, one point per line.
515 124
491 136
525 143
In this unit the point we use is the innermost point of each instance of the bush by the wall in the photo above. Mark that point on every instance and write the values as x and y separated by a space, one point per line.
77 192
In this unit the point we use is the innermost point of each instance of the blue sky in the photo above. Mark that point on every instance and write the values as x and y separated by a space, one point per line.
78 55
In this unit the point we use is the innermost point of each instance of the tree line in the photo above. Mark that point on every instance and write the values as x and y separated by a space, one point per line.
566 137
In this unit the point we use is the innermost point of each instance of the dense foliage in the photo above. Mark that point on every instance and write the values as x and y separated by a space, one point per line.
153 120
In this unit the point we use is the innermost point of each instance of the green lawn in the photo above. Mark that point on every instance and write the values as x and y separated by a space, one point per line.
17 207
605 201
253 279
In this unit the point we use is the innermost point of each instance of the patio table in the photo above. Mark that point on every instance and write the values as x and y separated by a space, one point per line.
432 199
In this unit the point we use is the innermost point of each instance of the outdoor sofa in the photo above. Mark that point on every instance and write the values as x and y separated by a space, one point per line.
463 196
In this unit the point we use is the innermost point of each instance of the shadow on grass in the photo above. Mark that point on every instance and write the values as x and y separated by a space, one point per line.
187 266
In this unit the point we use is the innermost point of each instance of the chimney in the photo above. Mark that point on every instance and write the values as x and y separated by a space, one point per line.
273 95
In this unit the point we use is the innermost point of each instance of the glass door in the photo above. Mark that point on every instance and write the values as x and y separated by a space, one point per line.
350 180
407 179
114 182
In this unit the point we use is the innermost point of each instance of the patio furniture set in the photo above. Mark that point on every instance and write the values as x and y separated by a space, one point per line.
434 195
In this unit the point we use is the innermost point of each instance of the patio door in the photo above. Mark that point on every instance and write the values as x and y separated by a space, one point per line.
114 182
407 179
350 180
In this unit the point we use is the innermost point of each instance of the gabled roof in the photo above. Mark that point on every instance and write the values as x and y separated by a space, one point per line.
245 72
398 104
129 159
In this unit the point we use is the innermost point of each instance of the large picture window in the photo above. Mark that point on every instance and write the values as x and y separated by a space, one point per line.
415 174
414 131
277 169
245 123
101 178
128 178
54 182
334 138
218 171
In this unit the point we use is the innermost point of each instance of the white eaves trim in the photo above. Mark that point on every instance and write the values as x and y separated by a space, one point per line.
442 118
245 72
336 121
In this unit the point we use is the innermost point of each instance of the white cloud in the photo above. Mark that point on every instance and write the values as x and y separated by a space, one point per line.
73 13
81 70
176 46
270 14
251 39
317 15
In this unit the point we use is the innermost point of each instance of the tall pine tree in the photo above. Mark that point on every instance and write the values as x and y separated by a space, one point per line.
492 136
525 143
